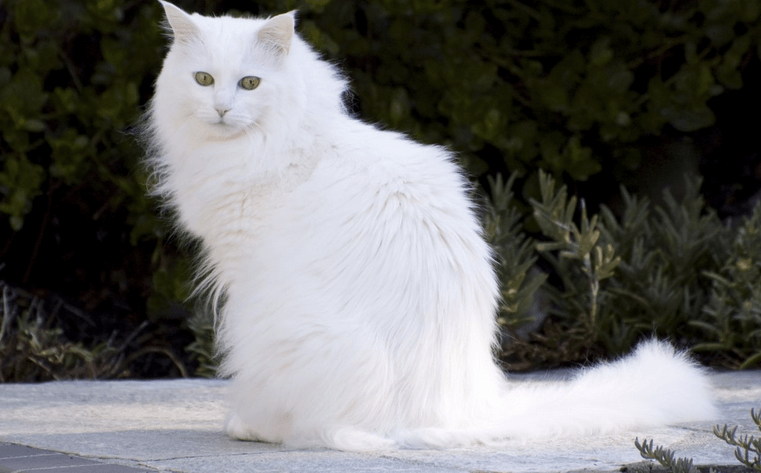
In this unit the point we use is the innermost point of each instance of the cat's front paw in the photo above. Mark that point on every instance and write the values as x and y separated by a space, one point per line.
237 429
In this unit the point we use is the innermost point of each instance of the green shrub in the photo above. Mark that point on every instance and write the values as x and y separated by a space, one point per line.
75 223
731 319
653 271
747 450
748 447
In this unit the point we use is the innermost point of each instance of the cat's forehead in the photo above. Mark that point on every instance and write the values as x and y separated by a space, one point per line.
229 31
227 40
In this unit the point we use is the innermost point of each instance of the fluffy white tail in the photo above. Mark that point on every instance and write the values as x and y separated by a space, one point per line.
654 386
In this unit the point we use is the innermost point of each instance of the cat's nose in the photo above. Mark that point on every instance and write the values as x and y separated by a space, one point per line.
222 111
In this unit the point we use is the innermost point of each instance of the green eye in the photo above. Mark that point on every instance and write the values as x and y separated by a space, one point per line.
204 78
249 82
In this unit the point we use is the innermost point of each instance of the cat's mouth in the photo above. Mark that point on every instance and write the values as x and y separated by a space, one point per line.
224 126
222 130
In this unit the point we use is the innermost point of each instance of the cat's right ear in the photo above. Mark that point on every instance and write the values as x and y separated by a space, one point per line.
180 23
277 33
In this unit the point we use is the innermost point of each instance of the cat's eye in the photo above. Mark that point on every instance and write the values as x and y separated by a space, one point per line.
204 78
249 82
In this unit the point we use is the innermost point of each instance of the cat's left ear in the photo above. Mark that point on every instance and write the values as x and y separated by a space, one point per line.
277 33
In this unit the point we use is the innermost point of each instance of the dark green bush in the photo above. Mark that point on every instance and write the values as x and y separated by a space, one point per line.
570 87
731 319
76 226
674 270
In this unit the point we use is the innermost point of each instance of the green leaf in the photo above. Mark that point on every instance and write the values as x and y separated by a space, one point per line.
23 96
690 119
601 53
31 16
20 182
728 72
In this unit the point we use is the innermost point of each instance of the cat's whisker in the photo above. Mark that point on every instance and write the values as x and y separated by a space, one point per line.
252 129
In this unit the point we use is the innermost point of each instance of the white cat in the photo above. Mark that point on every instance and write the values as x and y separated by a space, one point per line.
359 294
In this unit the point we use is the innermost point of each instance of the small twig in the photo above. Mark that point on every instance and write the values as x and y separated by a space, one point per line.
132 336
8 313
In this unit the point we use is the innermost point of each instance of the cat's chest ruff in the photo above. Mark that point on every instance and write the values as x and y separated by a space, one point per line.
246 206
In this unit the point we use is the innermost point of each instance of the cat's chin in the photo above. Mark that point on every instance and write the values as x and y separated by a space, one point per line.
224 132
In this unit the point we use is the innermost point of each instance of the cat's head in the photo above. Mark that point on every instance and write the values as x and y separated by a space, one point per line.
223 76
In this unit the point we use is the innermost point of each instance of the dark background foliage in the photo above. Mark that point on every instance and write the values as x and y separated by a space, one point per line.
598 93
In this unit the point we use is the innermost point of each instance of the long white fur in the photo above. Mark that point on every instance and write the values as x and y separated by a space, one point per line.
359 292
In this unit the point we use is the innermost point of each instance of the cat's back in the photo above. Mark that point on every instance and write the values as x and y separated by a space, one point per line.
379 194
361 159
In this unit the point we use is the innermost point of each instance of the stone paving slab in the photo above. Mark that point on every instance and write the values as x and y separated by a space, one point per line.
176 425
20 458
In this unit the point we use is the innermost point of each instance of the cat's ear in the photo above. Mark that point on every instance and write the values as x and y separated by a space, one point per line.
182 25
277 33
